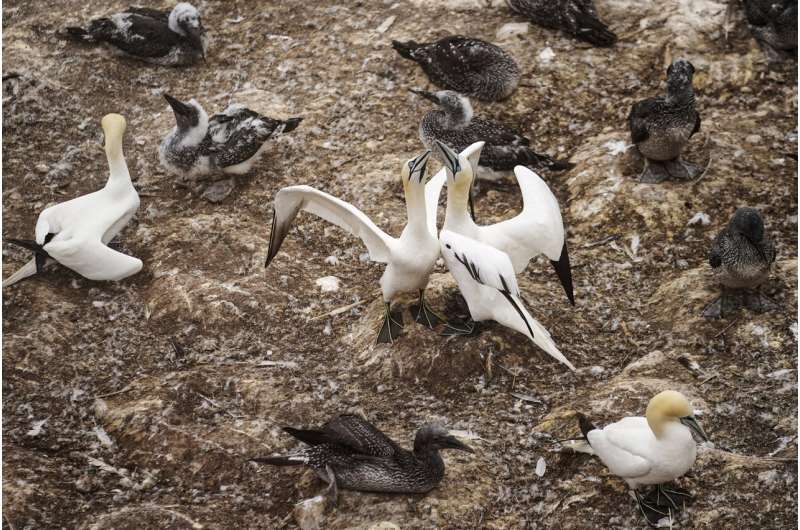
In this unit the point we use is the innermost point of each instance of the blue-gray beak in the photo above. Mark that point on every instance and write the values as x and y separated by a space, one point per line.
450 157
691 422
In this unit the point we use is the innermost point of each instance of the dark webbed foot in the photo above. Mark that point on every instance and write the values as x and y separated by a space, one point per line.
654 172
391 328
678 169
669 497
651 511
726 304
759 303
423 313
469 328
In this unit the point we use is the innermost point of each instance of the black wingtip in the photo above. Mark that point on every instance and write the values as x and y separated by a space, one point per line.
308 436
586 426
405 49
594 31
564 272
272 250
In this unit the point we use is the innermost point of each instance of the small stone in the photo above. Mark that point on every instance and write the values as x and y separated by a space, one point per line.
309 513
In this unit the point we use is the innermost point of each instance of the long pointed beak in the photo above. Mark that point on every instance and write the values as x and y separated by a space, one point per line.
454 443
420 164
695 427
425 94
564 272
178 107
450 157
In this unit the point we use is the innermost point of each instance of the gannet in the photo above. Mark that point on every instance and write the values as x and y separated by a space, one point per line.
454 124
75 233
661 127
653 450
169 38
486 279
409 259
471 66
576 17
229 143
537 229
773 24
741 257
349 452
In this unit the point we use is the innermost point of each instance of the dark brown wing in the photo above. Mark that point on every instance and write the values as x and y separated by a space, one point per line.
356 433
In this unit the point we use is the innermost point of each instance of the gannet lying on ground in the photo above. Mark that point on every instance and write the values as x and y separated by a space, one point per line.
576 17
75 233
229 143
409 259
350 453
170 38
486 279
741 257
469 66
653 450
537 229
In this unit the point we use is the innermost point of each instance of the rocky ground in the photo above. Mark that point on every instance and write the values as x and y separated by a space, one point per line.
137 404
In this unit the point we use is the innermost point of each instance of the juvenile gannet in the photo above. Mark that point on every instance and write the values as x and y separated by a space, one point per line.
576 17
409 259
453 124
75 233
349 452
170 38
653 450
229 143
773 24
537 229
661 126
486 279
741 257
471 66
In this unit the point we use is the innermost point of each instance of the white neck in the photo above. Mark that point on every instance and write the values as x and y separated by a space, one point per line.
415 208
119 177
456 214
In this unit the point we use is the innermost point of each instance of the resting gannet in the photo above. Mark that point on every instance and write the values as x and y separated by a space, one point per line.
576 17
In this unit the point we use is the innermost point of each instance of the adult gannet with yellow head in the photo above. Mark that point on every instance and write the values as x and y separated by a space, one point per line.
75 233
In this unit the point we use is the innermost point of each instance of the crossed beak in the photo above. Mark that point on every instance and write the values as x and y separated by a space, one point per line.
451 442
420 164
450 157
691 422
425 94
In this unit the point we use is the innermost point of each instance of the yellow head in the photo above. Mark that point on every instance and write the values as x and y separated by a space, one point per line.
113 130
413 171
669 406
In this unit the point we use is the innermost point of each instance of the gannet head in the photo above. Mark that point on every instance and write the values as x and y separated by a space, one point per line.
679 76
114 127
190 118
458 168
413 171
748 222
185 20
457 107
436 437
671 406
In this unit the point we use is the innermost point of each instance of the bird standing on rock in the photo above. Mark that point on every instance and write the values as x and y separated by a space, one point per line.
576 17
470 66
349 452
169 38
662 126
741 257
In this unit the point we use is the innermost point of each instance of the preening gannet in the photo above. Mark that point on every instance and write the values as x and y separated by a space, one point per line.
741 257
651 450
486 279
75 233
576 17
409 259
470 66
170 38
351 453
662 126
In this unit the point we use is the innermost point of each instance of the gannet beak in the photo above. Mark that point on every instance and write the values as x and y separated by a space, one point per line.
691 422
420 164
451 442
425 94
178 107
450 157
564 272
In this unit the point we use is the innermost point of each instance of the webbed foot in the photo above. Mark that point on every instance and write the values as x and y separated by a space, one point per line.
391 328
678 169
652 512
423 313
469 329
653 173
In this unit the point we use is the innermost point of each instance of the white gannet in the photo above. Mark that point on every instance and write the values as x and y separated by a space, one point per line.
75 233
486 279
170 38
538 229
409 259
653 450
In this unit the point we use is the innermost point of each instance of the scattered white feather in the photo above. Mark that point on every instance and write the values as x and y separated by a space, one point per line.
700 217
541 467
332 260
616 147
102 435
546 56
512 29
386 24
36 428
328 284
793 329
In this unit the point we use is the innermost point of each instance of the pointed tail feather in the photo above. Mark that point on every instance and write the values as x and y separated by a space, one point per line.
27 270
585 426
405 49
533 158
309 436
536 331
593 31
77 34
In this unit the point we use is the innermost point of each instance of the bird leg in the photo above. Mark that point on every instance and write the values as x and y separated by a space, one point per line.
758 302
678 169
391 328
423 313
669 497
653 172
651 511
332 491
469 328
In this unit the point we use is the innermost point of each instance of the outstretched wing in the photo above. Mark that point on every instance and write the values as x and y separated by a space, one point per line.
289 201
92 259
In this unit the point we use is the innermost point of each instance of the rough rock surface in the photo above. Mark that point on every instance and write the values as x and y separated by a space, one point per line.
136 405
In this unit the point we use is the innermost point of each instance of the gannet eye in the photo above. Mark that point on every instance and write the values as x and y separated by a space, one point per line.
447 245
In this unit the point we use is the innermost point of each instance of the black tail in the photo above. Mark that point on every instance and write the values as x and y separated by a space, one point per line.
309 436
29 244
291 124
585 426
276 461
405 49
593 31
77 34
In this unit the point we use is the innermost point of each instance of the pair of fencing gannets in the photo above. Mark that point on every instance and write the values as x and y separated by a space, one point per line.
349 452
76 233
484 260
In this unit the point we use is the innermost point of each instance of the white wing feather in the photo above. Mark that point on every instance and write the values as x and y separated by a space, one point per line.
92 259
620 446
487 265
